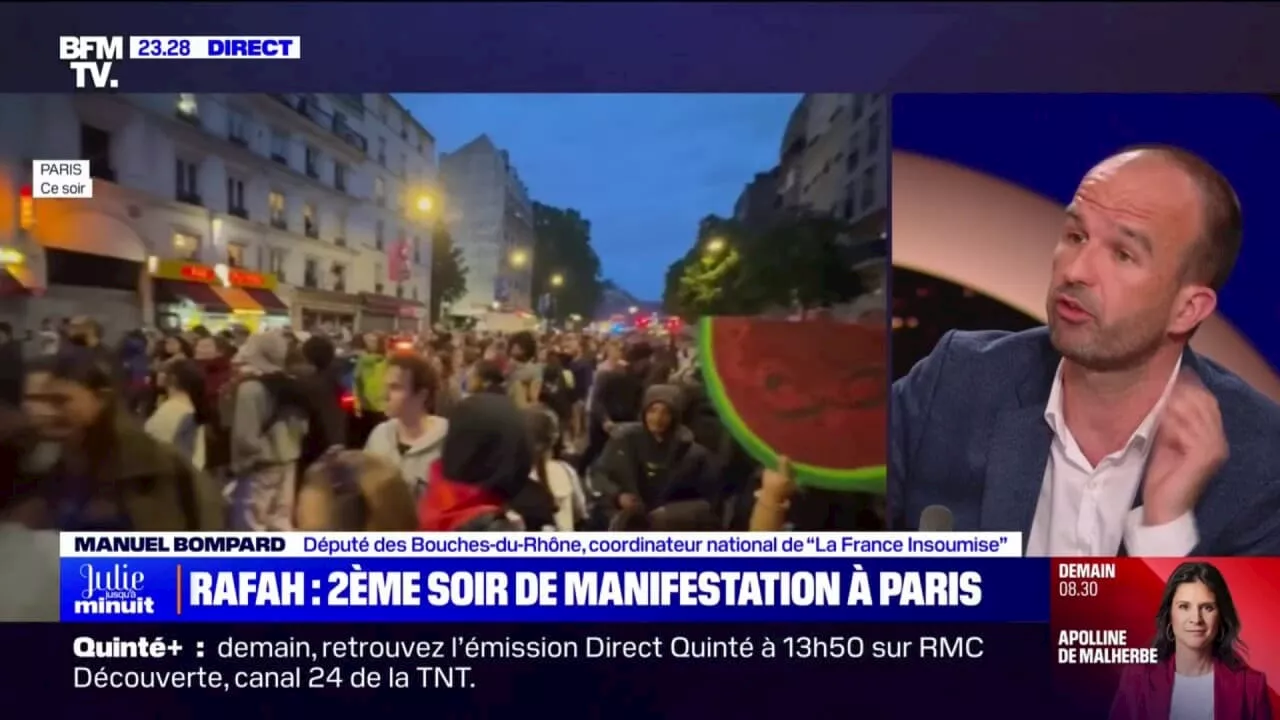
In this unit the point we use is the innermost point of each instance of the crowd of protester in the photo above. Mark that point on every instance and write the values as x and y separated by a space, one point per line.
444 431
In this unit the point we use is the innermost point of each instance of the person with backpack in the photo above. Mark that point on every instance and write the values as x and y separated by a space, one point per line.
269 420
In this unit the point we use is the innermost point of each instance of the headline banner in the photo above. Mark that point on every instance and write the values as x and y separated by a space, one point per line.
263 589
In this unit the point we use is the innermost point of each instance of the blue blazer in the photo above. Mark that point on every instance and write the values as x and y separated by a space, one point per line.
967 430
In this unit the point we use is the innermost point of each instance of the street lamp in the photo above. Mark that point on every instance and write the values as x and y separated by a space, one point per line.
519 258
557 280
633 309
715 246
425 204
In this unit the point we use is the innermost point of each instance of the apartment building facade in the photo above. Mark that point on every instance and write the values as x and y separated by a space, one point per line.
490 218
255 209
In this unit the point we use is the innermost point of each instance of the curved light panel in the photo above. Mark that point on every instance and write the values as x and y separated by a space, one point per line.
991 236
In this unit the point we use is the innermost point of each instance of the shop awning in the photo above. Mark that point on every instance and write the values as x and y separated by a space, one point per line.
177 291
269 301
238 300
16 280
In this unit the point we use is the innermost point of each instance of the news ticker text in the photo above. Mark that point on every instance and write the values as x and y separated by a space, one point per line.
94 59
455 662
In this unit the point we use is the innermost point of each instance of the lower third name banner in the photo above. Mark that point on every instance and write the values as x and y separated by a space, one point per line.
553 590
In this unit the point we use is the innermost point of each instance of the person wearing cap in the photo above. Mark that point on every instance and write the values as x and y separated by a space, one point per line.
655 461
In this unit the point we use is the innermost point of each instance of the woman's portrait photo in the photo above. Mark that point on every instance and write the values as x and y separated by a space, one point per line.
1201 673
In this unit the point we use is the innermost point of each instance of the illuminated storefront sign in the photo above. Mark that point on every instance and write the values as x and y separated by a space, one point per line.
211 275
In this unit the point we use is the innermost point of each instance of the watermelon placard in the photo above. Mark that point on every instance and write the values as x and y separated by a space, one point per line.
813 391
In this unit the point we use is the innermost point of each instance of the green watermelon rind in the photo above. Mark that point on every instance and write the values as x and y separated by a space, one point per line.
864 479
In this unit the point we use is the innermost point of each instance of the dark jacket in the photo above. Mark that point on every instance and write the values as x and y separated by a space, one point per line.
326 421
1146 692
688 473
967 431
149 483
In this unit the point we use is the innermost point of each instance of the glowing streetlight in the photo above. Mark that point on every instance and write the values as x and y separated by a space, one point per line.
557 280
633 309
519 258
715 246
425 204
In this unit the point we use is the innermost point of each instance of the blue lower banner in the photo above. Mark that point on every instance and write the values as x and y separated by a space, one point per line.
665 670
273 589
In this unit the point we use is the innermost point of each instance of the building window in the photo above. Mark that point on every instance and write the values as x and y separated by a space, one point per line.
380 192
186 246
310 221
379 234
185 181
857 107
868 188
378 274
873 134
237 255
280 147
340 177
854 156
382 151
417 250
95 146
276 262
404 164
339 277
313 162
235 198
187 105
311 274
276 209
238 127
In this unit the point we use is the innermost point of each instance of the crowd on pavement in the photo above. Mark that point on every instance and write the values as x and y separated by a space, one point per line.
325 430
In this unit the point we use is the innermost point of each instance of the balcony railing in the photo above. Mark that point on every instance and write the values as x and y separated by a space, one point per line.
308 108
239 212
188 117
311 230
189 197
313 172
279 223
280 159
240 140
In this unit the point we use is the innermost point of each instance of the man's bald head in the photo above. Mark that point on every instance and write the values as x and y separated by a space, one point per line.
1214 254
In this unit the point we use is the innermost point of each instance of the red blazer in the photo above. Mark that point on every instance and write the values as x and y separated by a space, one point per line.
1146 692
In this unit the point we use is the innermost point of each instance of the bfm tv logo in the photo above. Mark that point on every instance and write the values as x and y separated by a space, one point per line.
114 591
91 58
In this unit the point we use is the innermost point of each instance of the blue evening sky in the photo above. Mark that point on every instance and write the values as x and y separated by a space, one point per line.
644 169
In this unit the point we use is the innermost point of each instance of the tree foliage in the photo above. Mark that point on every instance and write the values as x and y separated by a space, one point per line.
448 270
562 247
799 263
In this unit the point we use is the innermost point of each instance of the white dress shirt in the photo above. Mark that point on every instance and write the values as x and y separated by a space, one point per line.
1086 510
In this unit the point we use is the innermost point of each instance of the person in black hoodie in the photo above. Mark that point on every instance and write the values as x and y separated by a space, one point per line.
656 461
482 477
